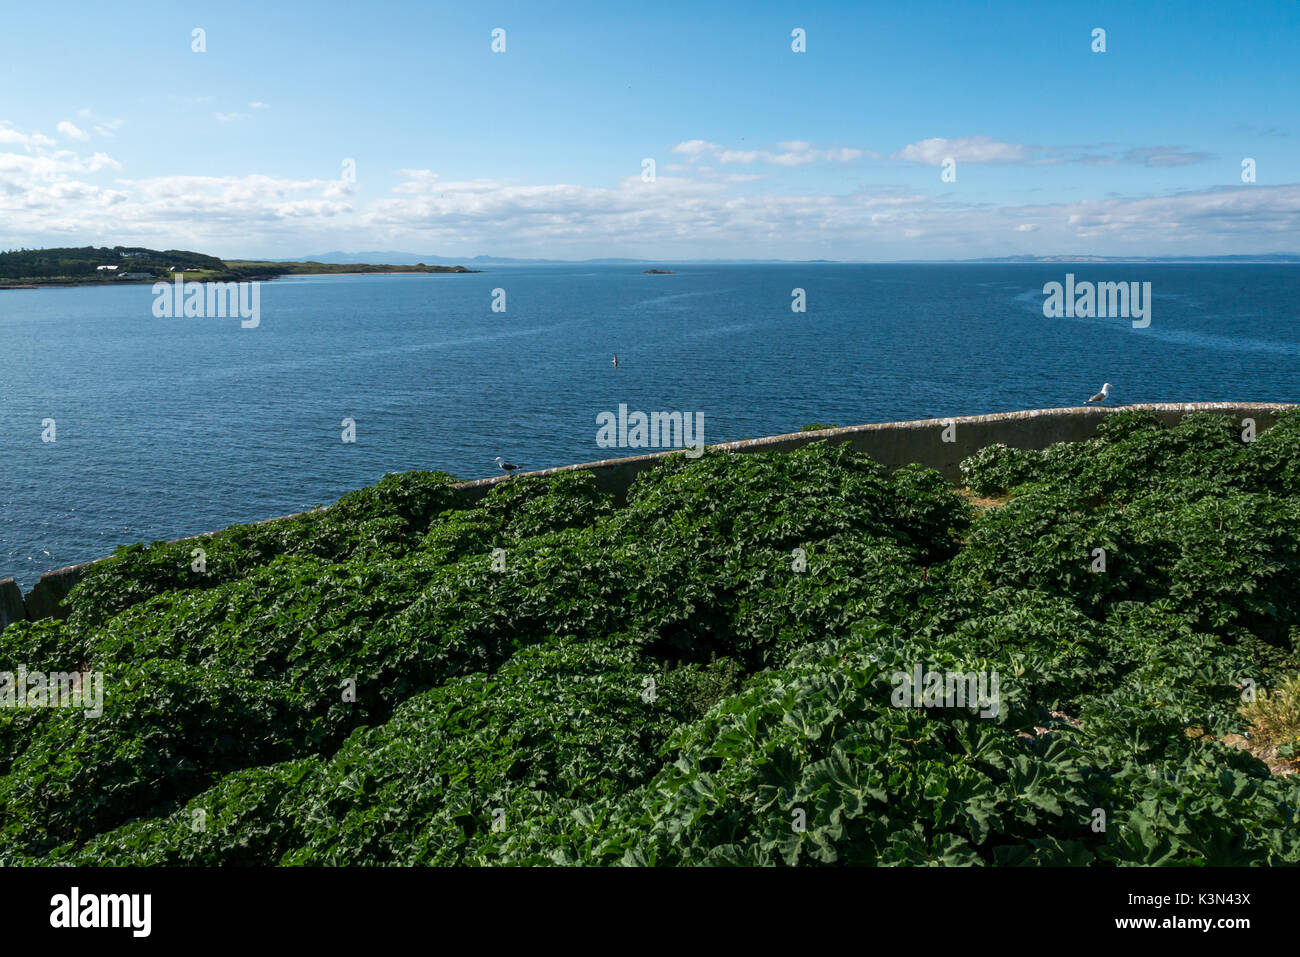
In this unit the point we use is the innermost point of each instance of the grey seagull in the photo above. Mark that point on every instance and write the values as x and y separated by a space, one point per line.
1101 397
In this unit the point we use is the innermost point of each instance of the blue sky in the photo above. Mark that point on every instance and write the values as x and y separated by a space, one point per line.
113 130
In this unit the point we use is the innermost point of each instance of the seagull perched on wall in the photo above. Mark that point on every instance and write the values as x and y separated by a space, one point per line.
1101 397
506 467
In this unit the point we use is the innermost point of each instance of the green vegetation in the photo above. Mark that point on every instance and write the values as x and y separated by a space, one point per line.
544 678
29 267
82 265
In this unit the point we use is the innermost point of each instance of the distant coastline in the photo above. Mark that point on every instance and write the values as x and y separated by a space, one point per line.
375 271
123 265
396 256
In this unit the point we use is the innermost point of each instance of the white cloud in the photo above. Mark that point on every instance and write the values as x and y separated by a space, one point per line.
791 153
969 149
802 153
12 137
54 193
417 181
738 156
103 126
985 149
60 195
1150 156
696 147
229 117
258 105
704 217
72 132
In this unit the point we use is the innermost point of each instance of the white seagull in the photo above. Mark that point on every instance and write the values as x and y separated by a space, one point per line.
616 360
1101 397
506 467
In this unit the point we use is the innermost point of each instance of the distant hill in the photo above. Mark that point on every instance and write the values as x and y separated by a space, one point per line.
1241 258
397 258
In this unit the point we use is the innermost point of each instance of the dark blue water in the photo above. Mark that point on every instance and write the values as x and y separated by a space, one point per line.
169 427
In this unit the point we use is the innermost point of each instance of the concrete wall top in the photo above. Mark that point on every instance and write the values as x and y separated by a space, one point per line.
893 444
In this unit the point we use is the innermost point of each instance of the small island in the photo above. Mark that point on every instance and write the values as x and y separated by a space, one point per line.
658 272
91 266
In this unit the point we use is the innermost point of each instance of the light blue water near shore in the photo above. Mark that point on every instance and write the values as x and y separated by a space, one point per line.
169 427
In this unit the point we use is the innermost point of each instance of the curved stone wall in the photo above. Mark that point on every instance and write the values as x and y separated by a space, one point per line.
895 444
938 443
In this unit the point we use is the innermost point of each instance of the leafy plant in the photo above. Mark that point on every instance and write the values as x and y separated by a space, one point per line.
705 674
